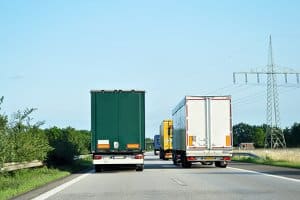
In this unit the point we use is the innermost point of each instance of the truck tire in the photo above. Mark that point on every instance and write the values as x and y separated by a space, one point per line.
184 162
99 168
174 158
162 154
221 164
139 168
174 162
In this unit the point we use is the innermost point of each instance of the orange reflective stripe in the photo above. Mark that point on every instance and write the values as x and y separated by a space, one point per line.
228 140
133 146
103 146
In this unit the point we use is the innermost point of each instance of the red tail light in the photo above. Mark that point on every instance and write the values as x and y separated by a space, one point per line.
189 158
227 158
97 157
139 156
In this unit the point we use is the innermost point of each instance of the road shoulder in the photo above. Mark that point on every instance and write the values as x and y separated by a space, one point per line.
49 186
267 169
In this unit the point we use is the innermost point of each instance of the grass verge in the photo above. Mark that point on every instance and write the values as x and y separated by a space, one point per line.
21 181
267 161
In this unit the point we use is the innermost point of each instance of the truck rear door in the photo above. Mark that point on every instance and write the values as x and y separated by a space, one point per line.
105 119
130 120
208 123
196 126
220 117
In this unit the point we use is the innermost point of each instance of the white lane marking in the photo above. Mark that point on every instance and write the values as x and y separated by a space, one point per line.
61 187
270 175
178 181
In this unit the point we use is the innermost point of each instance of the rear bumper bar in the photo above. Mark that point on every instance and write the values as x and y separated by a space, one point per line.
118 160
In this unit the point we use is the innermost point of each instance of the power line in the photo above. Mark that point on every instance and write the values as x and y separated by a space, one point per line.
274 135
248 98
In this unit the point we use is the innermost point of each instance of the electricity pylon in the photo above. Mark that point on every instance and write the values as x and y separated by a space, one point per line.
274 135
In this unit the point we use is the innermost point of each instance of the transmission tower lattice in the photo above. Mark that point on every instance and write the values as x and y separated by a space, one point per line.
274 135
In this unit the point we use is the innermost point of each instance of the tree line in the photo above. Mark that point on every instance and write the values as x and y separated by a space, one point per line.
243 132
22 140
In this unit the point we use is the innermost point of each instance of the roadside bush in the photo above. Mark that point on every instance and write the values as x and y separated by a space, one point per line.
32 145
28 141
20 140
63 149
83 141
4 144
66 143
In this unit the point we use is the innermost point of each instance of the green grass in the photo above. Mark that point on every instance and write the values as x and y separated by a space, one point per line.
21 181
267 161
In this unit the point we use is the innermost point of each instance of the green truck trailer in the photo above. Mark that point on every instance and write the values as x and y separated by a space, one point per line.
118 128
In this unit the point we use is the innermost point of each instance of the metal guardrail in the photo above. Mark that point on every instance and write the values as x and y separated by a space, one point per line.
21 165
82 156
13 166
245 154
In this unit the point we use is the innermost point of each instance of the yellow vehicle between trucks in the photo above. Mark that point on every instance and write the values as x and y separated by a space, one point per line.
166 135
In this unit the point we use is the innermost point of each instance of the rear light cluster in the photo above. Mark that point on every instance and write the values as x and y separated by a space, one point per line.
97 157
139 156
226 158
169 155
191 158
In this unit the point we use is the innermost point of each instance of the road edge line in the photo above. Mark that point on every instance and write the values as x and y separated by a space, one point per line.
61 187
270 175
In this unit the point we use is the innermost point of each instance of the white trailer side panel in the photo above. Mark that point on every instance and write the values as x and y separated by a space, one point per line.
179 128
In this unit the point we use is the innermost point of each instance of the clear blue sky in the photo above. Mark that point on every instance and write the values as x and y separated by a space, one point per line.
52 53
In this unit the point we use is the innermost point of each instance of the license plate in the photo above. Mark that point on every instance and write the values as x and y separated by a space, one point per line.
209 158
119 157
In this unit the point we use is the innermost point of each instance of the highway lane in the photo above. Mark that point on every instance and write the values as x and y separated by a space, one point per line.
163 180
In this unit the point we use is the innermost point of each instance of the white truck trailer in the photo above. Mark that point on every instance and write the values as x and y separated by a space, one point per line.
202 131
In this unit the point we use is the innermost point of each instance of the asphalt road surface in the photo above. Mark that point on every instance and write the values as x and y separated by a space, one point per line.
162 180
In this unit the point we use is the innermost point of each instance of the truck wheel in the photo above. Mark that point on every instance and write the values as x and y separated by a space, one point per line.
221 164
162 155
99 168
174 162
174 158
186 164
139 168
